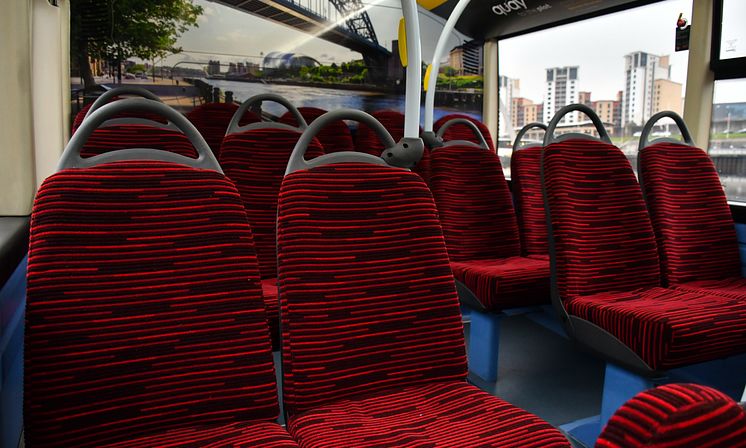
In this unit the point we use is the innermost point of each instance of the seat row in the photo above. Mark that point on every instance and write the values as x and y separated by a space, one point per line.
146 325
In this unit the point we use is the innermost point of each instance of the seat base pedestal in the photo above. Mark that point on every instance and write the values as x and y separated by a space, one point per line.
484 344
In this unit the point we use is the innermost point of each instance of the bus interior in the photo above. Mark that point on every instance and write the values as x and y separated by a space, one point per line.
412 227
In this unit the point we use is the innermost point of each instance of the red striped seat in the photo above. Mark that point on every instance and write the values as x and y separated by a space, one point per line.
212 119
481 231
692 221
607 263
334 137
463 132
525 172
255 160
366 139
144 319
373 345
114 137
676 416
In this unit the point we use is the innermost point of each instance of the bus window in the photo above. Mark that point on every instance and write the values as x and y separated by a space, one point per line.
728 136
624 76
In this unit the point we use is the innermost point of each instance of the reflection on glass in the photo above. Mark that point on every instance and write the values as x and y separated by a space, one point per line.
733 38
728 136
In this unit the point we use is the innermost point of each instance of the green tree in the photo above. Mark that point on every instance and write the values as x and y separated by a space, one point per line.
120 29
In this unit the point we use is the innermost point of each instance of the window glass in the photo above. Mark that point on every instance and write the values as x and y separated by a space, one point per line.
733 38
728 136
635 73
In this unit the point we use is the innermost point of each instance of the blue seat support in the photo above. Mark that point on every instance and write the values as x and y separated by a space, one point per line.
12 306
484 344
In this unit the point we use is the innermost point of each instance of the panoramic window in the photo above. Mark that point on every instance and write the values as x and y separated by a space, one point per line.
239 52
626 77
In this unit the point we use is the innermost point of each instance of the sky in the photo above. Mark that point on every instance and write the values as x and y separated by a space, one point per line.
597 45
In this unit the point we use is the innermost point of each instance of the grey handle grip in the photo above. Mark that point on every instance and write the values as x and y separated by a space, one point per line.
549 134
71 156
477 133
297 158
234 127
140 121
524 130
654 119
116 91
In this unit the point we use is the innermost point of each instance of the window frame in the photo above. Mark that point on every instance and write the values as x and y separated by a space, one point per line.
723 68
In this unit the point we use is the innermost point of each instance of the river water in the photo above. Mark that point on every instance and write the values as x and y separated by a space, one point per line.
328 99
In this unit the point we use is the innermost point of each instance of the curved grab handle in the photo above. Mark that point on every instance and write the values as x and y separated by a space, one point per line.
297 158
234 127
116 91
482 142
71 156
654 119
549 134
524 130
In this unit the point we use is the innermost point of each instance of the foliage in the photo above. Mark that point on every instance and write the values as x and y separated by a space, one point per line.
120 29
136 68
460 82
354 72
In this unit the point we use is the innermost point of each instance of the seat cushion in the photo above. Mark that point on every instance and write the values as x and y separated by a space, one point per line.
111 138
525 171
212 120
668 328
334 137
506 282
676 416
462 131
255 435
734 287
447 414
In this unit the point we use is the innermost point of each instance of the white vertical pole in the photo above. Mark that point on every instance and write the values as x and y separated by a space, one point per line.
414 70
491 101
435 65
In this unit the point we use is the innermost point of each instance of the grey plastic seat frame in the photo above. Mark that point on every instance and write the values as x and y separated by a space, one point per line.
234 127
71 155
106 97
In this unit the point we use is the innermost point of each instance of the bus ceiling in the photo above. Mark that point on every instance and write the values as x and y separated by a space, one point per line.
500 19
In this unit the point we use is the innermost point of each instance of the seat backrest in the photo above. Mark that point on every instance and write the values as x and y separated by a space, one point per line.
255 160
463 132
525 177
212 119
366 139
602 235
123 136
334 137
144 309
367 295
690 213
83 111
474 203
676 416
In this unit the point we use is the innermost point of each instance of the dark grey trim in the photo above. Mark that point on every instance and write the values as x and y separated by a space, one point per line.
644 143
523 131
124 90
549 134
482 142
140 121
234 127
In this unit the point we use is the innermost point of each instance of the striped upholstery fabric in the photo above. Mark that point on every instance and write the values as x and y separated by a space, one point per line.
373 346
111 138
243 435
463 132
525 169
335 137
676 416
366 139
607 263
690 214
480 228
364 285
668 328
602 233
78 120
144 310
452 414
255 161
729 287
212 120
